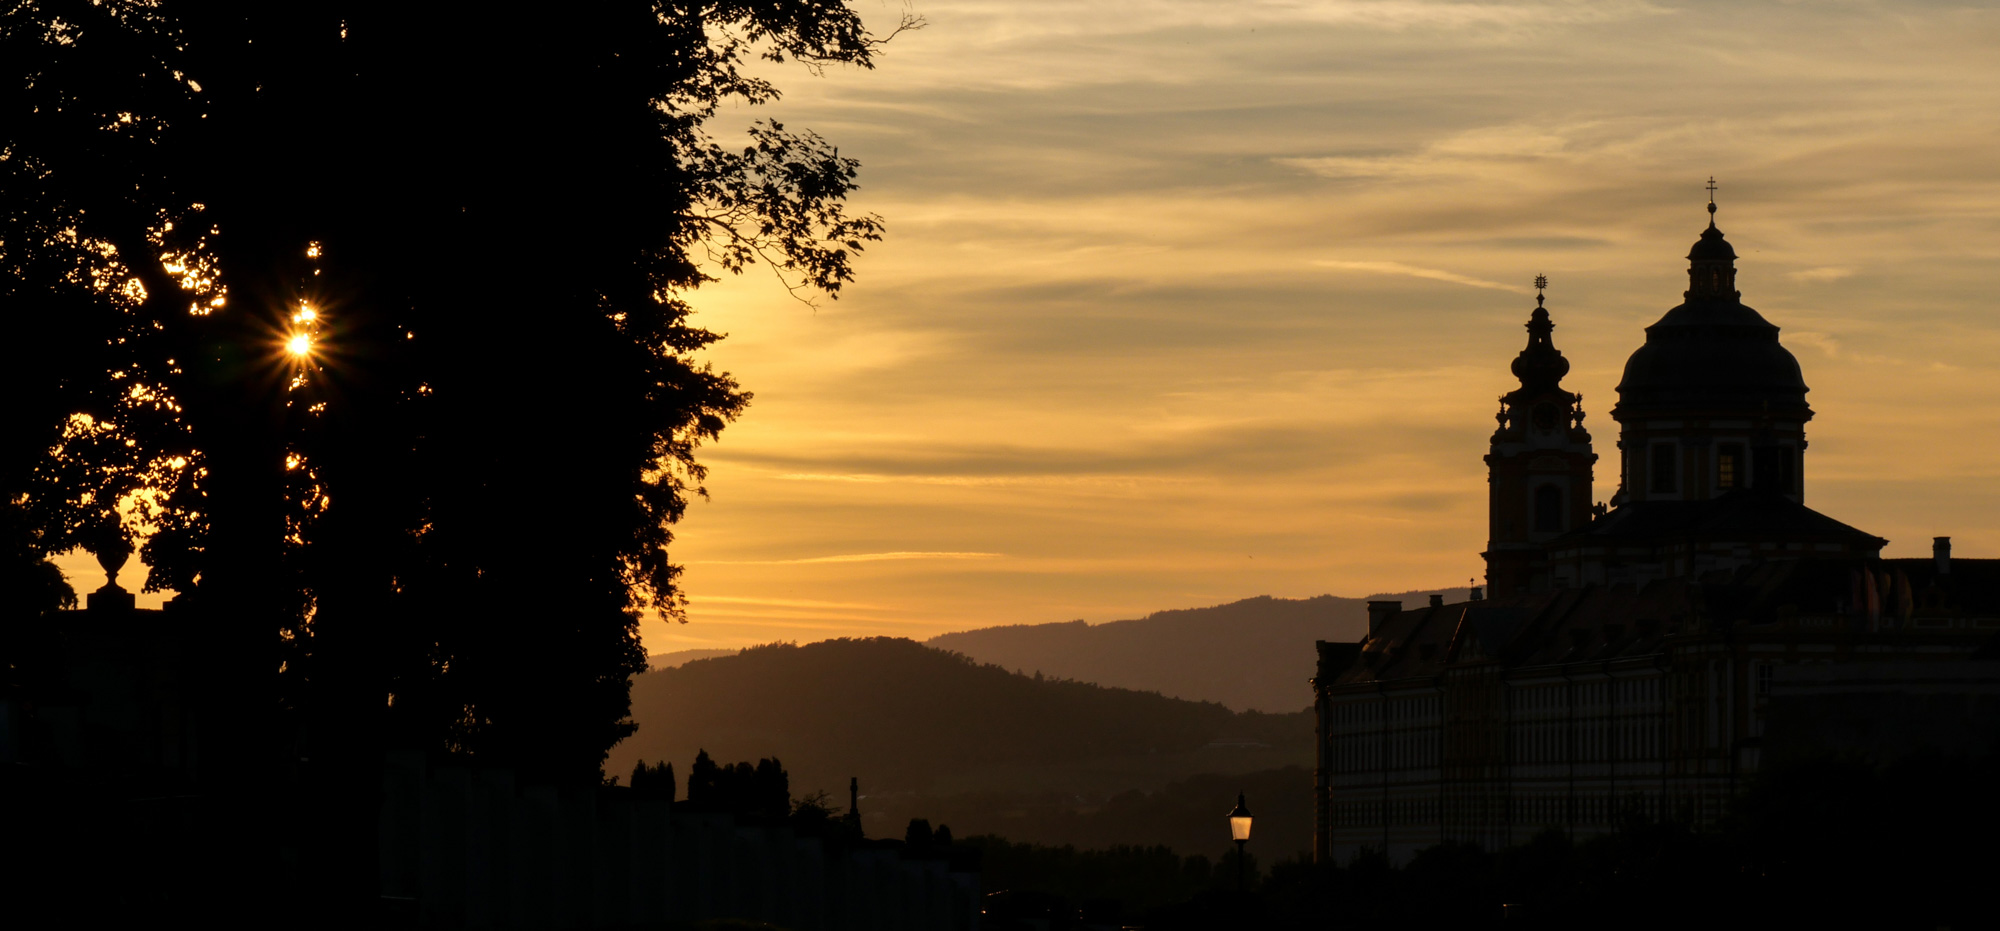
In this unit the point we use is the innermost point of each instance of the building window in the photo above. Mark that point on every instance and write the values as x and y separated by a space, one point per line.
1665 470
1729 467
1764 678
1548 509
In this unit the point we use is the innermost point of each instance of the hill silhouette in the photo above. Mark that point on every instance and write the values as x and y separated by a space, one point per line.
1250 655
907 718
678 657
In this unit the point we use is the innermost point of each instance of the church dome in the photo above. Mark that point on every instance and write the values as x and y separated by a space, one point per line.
1711 246
1712 354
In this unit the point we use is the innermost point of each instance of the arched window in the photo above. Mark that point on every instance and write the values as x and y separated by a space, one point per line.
1548 509
1665 469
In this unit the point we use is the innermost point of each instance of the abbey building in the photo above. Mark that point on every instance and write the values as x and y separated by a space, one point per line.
1626 660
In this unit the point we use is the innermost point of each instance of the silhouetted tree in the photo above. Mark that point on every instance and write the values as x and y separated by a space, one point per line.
655 781
703 778
917 837
461 496
815 815
439 524
762 788
31 589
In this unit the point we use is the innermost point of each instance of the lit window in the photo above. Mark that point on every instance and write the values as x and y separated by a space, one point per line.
1729 467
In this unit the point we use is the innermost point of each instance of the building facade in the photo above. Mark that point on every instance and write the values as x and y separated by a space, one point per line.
1625 662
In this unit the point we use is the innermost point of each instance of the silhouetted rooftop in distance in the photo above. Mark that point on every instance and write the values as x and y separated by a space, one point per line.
1605 622
1749 514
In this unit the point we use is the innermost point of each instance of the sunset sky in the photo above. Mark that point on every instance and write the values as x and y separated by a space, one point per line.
1186 302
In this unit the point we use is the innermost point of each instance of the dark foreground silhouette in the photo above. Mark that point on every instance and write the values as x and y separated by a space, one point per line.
1828 842
379 317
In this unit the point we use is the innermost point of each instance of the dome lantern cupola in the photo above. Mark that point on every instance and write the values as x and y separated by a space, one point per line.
1712 402
1712 264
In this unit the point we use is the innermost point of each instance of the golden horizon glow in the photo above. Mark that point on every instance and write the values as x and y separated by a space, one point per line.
1183 303
1186 302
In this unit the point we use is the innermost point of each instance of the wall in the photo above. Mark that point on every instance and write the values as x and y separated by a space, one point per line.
470 848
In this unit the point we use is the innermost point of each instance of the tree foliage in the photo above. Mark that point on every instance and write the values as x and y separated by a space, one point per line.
763 788
443 521
655 781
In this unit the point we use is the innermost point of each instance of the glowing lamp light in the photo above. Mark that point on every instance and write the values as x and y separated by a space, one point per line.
306 315
300 345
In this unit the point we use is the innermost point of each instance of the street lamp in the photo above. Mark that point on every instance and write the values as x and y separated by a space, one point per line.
1239 831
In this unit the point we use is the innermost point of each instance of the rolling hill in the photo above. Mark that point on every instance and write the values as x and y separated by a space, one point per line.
678 657
931 732
1251 655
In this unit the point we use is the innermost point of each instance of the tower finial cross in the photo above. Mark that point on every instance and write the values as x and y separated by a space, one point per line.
1541 281
1711 189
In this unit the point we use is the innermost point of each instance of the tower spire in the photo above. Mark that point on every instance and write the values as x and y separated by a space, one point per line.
1539 462
1540 367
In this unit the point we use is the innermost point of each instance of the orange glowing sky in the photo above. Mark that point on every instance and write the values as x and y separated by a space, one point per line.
1184 302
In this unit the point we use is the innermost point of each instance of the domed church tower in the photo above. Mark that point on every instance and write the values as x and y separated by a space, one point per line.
1711 403
1539 464
1712 417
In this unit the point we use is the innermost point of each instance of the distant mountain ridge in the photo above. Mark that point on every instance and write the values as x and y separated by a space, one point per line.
902 715
678 657
934 734
1250 655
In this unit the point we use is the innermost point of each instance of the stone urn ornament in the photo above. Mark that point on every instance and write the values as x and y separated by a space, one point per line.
112 550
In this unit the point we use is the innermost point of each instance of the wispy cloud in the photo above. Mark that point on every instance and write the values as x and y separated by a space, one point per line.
1414 271
837 477
780 602
1151 300
848 557
1831 346
1823 273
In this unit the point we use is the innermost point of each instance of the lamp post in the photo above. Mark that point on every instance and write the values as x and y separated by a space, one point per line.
1239 831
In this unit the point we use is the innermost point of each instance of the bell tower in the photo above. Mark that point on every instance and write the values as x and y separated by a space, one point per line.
1539 466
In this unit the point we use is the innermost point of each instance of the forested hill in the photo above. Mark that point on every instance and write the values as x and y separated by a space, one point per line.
904 716
1254 654
677 657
